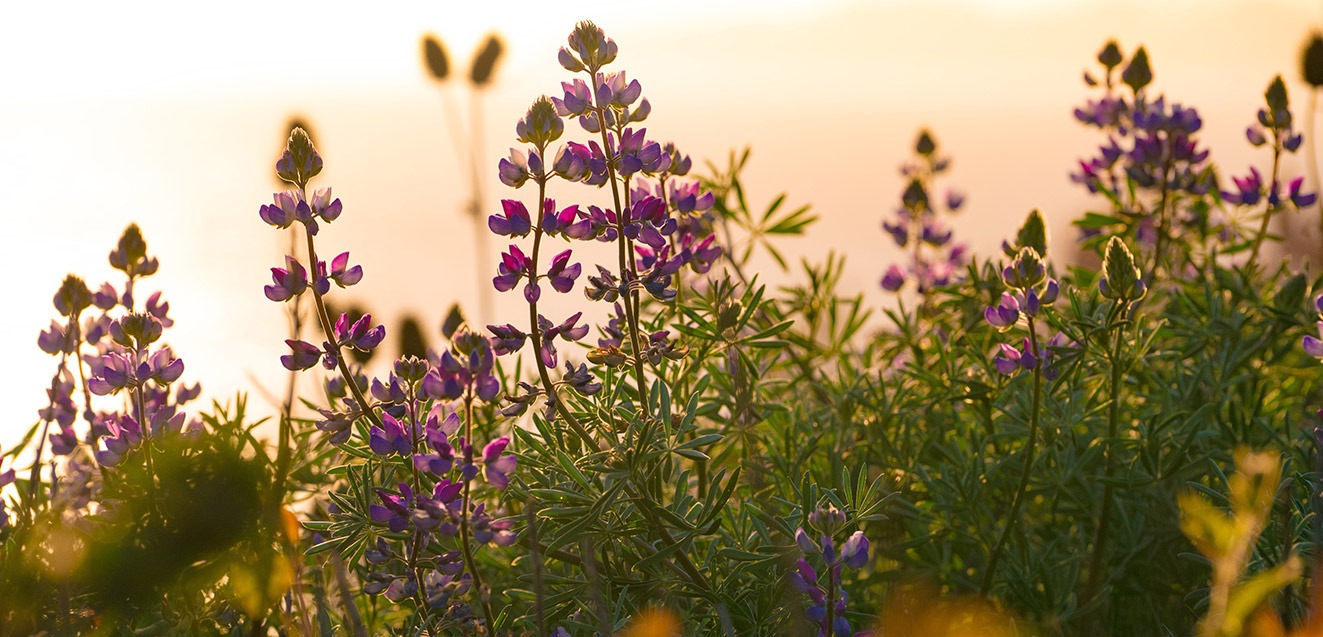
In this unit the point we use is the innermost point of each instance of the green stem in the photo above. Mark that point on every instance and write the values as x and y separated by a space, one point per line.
1109 468
325 319
625 254
1013 518
1270 209
536 333
464 522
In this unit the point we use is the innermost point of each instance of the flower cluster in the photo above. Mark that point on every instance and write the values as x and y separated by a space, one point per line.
413 413
1029 291
124 358
659 221
827 599
934 260
1276 129
1151 148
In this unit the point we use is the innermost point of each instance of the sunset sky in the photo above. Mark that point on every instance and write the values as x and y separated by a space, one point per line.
171 117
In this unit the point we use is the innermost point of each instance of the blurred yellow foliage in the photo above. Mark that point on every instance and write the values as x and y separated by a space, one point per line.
917 609
654 622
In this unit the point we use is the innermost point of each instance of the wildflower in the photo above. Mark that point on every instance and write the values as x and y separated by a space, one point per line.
497 466
288 283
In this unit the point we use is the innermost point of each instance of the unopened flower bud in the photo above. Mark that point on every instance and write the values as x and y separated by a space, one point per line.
434 56
925 145
484 64
1121 279
1311 61
1110 55
541 125
300 161
1138 74
73 296
1025 271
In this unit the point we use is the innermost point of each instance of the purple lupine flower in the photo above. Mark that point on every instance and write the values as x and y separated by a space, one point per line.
390 437
1314 346
162 367
57 340
853 554
577 101
513 267
562 274
1003 315
514 223
304 355
1007 360
1298 198
394 510
554 222
506 339
437 431
288 283
343 275
497 466
514 172
338 426
124 433
361 335
159 309
1249 189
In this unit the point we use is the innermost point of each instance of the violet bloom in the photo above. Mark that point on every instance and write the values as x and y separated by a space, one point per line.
506 339
1003 315
288 283
515 222
853 553
498 467
569 329
344 275
513 267
1314 346
1010 359
390 437
124 434
1249 189
394 510
1298 198
561 274
361 335
515 171
304 355
437 431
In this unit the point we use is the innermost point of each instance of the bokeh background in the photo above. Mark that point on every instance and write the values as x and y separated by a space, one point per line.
171 115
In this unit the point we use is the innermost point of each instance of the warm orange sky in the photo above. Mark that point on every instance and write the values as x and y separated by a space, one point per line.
170 116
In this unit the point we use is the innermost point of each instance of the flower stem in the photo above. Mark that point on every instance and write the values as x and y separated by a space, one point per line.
535 332
1109 459
464 521
1271 208
324 318
626 262
1013 518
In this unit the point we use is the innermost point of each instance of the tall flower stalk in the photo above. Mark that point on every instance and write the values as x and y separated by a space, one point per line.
1031 290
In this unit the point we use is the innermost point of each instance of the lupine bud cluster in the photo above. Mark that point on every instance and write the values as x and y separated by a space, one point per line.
827 598
1029 291
917 228
1275 128
1121 280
